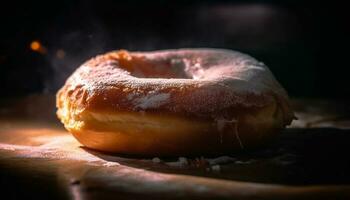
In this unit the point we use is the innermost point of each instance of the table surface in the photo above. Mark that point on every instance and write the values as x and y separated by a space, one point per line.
39 159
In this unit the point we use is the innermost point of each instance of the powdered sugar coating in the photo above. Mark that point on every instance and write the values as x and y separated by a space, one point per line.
196 82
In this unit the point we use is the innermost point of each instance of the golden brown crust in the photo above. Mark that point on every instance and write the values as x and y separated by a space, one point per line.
115 103
168 135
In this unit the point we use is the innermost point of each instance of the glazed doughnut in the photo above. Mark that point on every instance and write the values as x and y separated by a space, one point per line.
173 102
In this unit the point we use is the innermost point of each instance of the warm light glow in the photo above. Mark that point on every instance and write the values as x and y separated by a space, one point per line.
35 45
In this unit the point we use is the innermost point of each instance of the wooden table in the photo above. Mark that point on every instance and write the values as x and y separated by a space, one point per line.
39 159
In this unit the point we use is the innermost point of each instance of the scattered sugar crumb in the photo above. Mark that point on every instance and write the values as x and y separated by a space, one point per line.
183 160
156 160
221 160
216 168
180 163
206 163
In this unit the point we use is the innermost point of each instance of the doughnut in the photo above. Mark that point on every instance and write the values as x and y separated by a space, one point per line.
173 102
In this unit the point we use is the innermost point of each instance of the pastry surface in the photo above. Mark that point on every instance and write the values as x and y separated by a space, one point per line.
173 102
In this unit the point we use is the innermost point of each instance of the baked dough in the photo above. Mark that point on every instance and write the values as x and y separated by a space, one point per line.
173 102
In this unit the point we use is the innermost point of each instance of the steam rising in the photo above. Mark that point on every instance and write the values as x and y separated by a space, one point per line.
70 51
90 33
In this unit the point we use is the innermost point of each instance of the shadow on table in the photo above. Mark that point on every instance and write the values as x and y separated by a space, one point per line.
296 157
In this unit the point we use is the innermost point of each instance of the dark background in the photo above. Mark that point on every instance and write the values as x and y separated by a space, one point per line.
305 44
